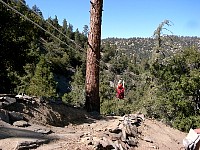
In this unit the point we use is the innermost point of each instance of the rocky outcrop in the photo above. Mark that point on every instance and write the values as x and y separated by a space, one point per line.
121 135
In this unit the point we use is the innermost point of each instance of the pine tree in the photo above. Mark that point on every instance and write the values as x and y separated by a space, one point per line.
93 57
42 83
76 96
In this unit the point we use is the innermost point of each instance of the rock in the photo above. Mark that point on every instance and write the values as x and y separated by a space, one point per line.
21 123
16 116
9 100
19 96
31 144
115 130
27 97
5 101
24 98
132 141
105 144
110 144
115 137
131 130
43 131
147 139
123 137
4 115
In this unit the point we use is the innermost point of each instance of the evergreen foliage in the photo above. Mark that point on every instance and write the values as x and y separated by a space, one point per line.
176 90
76 97
27 52
42 83
163 82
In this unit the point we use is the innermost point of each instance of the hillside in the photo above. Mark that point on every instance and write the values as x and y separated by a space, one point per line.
143 46
57 126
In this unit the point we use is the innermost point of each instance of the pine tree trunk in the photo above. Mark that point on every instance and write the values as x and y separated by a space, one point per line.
93 57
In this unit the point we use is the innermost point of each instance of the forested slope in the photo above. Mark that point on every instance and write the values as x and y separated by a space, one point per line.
38 56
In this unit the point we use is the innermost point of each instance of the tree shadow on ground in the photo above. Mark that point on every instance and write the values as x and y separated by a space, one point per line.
8 132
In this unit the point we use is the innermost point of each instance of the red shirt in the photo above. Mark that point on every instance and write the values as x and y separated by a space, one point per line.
120 91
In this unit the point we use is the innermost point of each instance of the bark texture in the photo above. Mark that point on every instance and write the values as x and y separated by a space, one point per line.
93 57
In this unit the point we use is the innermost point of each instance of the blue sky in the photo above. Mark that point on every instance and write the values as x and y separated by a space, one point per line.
128 18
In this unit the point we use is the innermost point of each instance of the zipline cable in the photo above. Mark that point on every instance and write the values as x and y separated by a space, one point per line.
51 25
80 48
16 11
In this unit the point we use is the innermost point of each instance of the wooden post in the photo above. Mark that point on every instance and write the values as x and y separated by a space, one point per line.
93 57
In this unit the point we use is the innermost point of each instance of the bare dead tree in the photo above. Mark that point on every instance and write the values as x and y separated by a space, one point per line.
93 57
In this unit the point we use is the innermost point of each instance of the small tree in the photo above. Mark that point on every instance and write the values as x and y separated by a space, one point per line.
76 96
42 83
160 39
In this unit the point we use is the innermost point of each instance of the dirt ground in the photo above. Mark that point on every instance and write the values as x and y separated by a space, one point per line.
74 128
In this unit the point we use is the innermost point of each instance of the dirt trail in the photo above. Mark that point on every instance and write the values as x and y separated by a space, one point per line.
73 129
154 135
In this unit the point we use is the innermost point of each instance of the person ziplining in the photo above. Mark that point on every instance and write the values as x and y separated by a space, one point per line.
120 89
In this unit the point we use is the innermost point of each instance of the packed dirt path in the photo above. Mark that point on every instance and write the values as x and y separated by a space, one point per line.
66 128
154 135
